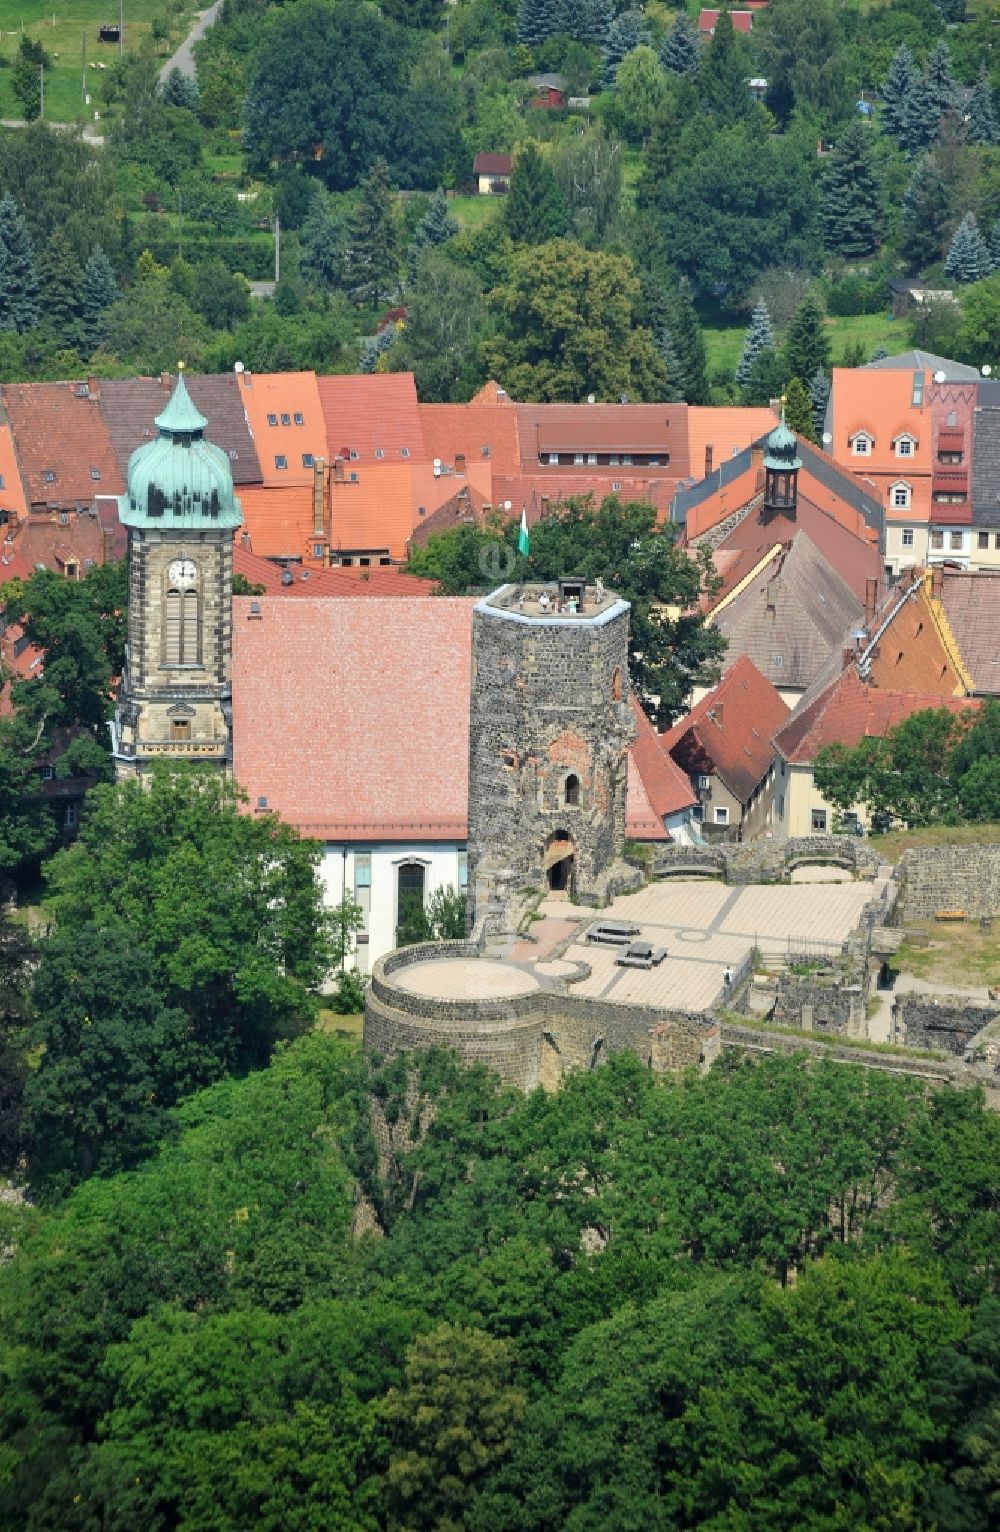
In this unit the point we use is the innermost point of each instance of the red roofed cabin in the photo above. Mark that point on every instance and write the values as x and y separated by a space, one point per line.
550 92
708 20
492 173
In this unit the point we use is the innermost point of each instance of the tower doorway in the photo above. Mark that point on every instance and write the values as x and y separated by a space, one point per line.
559 862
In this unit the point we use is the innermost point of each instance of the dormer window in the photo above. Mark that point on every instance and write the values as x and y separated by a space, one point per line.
48 476
404 451
95 474
901 496
307 460
298 418
272 420
380 452
286 420
861 444
905 445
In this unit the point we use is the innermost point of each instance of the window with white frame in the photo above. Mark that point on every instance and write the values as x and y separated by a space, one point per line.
861 444
907 538
901 496
905 446
957 540
819 821
983 539
722 816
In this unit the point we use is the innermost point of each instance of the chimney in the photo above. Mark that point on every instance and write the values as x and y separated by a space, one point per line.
756 454
460 462
871 598
93 388
338 469
717 714
318 481
164 380
709 455
772 596
245 540
937 582
847 656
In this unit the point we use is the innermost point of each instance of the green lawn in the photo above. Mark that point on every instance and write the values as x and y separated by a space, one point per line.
724 345
473 212
64 41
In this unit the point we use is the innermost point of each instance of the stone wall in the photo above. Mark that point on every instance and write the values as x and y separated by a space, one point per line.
768 861
945 1022
937 878
834 1003
529 1039
751 1039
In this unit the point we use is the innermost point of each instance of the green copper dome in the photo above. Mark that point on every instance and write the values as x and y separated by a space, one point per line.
179 482
780 448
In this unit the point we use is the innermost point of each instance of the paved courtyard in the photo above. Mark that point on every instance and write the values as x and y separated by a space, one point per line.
706 928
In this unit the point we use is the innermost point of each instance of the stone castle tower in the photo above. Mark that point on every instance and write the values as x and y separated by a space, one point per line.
181 514
550 727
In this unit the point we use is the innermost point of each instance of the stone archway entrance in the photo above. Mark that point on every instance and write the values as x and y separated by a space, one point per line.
559 862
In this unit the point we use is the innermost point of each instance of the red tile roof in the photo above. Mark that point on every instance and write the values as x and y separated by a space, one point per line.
377 512
742 21
727 430
848 711
853 558
63 444
466 507
302 581
606 428
484 433
730 730
492 165
279 521
130 406
324 746
328 747
373 413
12 498
666 787
971 601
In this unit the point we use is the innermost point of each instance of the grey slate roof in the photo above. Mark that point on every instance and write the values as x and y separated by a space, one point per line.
790 618
986 467
926 361
130 406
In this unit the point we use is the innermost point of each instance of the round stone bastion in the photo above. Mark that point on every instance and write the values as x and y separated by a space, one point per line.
447 993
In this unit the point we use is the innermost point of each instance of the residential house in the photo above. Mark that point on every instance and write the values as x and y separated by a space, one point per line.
365 744
492 173
708 21
549 92
131 405
724 746
662 803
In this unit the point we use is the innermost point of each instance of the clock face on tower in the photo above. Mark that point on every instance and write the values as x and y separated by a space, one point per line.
182 574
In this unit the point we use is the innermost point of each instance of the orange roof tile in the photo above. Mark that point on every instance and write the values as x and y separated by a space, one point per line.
324 748
726 430
374 513
12 497
880 401
910 654
279 521
305 581
848 711
482 432
465 507
286 420
62 443
372 414
605 428
666 787
730 731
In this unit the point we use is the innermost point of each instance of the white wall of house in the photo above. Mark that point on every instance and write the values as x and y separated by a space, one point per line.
905 544
369 873
799 805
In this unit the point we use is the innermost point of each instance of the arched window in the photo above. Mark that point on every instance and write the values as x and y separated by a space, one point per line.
571 790
616 684
181 628
410 886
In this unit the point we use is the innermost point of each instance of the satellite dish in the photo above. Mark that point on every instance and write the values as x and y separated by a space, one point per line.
939 376
986 370
827 438
238 367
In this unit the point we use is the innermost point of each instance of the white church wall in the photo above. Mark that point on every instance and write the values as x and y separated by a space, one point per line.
346 867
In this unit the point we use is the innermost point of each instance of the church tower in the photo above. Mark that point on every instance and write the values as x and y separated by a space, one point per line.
175 700
781 472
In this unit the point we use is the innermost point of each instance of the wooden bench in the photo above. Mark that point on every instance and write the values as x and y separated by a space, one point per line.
950 915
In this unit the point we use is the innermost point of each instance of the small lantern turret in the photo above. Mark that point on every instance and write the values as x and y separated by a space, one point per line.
781 470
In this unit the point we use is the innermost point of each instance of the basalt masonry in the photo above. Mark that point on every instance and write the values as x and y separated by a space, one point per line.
550 727
938 878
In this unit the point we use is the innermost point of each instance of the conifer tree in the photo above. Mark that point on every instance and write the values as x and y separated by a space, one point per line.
819 393
926 209
321 244
852 200
722 75
534 22
436 226
807 346
995 244
759 337
374 347
99 291
626 32
689 348
968 258
981 126
59 274
921 117
899 81
674 391
19 297
602 14
798 410
371 257
940 80
535 211
681 50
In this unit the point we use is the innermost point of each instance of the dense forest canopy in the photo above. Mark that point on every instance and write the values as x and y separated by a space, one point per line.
766 1297
659 196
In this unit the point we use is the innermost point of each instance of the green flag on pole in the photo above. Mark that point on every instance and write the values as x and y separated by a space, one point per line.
523 543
